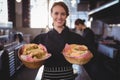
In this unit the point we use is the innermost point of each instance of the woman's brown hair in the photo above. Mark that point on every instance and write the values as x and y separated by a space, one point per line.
79 21
62 4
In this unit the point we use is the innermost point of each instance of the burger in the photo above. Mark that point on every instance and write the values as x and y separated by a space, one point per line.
34 52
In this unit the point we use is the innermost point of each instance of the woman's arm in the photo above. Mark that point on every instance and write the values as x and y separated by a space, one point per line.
39 39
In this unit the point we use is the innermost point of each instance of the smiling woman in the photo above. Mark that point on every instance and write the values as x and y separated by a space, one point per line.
57 67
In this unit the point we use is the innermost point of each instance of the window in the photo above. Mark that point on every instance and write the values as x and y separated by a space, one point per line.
38 13
3 11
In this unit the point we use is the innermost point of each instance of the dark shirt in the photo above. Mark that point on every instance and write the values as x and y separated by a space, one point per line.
55 43
89 36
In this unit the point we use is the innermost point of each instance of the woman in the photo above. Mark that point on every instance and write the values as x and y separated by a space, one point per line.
87 33
56 67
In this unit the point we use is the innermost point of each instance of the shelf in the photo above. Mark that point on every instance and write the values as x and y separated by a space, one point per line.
4 36
108 13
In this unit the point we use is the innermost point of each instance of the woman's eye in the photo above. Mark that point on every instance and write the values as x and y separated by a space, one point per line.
63 14
56 13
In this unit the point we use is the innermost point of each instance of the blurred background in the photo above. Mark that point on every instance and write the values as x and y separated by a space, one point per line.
22 20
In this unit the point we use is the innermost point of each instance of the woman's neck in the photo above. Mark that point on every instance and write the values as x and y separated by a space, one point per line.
59 29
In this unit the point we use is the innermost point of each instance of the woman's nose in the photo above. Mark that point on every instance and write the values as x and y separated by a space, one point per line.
59 16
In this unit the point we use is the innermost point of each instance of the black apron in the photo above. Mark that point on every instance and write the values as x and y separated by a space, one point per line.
58 73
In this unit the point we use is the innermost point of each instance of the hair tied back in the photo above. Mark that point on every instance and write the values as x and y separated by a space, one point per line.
83 20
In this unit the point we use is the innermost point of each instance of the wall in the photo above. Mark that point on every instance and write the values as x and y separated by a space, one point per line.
97 27
31 31
18 13
105 30
111 32
116 32
18 27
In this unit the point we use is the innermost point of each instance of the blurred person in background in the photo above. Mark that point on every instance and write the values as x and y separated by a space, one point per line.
86 32
89 36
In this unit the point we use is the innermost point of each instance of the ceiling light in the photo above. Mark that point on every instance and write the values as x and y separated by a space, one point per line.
18 1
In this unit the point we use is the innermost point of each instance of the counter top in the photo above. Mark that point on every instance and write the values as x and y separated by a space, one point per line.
110 43
111 52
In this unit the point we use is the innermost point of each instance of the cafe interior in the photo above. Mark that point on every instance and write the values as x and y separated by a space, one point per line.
22 20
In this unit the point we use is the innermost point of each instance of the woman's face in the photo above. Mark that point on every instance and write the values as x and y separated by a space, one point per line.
59 16
78 27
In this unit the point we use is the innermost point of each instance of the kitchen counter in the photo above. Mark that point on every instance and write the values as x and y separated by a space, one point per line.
111 43
108 50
